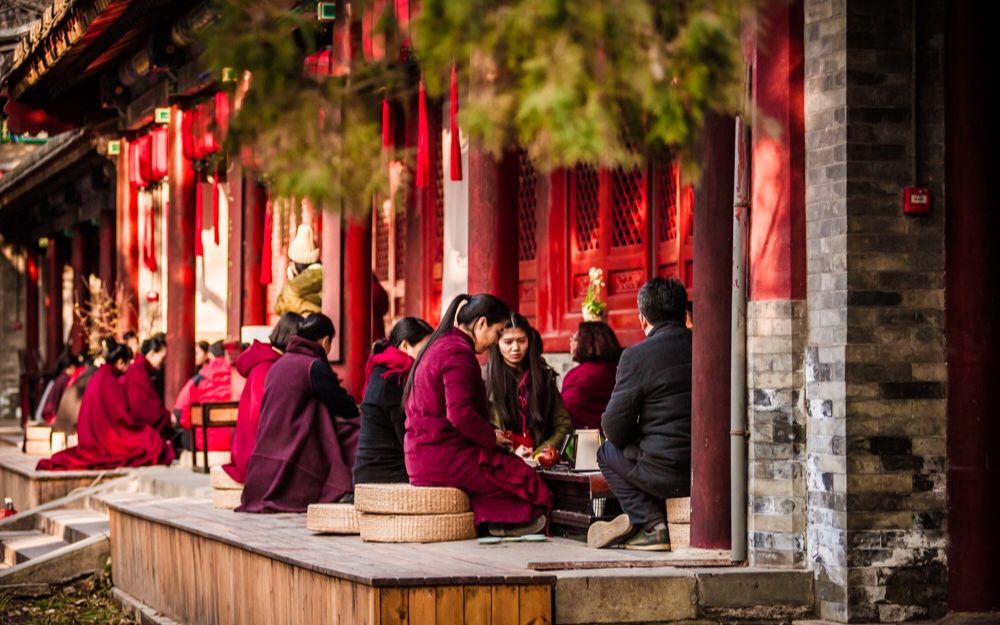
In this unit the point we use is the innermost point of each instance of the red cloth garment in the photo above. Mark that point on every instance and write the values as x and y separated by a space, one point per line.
307 438
108 436
395 361
455 166
212 384
144 403
450 442
253 364
265 245
423 142
586 390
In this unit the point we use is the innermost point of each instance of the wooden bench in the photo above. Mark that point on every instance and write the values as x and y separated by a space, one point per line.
209 415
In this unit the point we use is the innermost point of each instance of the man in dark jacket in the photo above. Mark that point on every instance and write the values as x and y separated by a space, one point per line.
647 455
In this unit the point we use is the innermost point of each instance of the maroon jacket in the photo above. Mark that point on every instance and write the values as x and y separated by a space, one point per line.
307 437
586 390
253 365
144 402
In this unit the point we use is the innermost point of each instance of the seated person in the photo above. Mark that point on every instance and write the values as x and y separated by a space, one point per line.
200 354
68 412
303 292
449 440
48 405
144 403
587 387
308 432
253 364
521 387
212 384
108 435
647 456
380 446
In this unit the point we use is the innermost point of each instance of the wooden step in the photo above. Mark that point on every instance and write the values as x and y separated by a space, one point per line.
30 545
72 524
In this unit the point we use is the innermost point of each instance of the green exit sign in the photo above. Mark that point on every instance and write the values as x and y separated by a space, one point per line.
326 11
114 147
162 115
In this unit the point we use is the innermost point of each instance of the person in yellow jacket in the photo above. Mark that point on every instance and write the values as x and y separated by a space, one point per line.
303 292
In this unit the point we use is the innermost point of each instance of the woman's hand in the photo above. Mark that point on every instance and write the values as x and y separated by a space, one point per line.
503 440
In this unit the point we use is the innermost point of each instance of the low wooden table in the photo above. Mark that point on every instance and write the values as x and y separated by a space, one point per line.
576 495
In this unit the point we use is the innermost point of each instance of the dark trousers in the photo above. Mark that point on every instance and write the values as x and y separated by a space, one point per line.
644 500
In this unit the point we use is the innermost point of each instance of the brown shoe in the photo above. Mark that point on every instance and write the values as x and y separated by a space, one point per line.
656 538
603 534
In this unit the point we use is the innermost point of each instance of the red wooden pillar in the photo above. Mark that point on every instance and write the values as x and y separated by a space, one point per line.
106 262
29 377
78 252
254 293
127 246
53 302
357 324
180 264
713 252
493 264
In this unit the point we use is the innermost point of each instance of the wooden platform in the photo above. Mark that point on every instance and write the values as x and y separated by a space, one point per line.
30 488
199 565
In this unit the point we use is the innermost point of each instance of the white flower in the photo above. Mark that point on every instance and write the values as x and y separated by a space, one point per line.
596 273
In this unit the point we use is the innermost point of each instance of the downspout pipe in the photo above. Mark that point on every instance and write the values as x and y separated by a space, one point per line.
738 348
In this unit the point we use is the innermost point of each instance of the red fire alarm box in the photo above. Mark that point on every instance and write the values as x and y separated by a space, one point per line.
916 200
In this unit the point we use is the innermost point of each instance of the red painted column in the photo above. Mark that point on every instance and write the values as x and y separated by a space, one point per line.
493 266
78 252
106 262
357 324
127 246
254 293
972 273
53 302
180 264
777 227
713 252
29 377
235 289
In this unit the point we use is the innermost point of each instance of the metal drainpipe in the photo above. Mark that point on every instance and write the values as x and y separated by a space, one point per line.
738 349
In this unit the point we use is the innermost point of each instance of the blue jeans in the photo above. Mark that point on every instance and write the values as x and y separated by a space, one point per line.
643 500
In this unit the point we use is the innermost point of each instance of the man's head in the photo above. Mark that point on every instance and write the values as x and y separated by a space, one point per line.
661 300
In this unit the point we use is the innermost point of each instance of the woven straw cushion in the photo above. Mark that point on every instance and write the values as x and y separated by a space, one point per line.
222 481
226 499
680 534
417 528
406 499
679 510
333 518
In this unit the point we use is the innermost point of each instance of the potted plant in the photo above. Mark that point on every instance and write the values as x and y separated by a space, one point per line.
593 308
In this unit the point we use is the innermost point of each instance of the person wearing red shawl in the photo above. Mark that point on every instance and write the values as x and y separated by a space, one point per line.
308 432
48 407
380 446
109 437
213 383
449 439
253 365
144 402
587 387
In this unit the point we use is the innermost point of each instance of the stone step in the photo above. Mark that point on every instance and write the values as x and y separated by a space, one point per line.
72 524
28 545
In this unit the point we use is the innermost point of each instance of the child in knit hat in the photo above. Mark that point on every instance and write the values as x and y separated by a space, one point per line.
303 292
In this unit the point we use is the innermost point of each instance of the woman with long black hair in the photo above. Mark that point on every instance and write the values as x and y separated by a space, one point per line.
449 439
383 423
521 387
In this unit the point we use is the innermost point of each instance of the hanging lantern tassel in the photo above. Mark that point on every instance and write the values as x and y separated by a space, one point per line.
386 124
265 245
199 249
423 142
150 234
215 206
455 165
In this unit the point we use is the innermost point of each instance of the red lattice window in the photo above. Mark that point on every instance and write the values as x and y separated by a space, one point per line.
666 201
381 227
628 199
527 205
588 208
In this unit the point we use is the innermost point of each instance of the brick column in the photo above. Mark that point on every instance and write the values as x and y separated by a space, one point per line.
875 360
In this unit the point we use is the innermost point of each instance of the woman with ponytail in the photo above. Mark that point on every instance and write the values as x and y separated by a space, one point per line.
449 439
109 436
380 447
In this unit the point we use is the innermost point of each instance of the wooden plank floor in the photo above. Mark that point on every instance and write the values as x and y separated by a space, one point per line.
30 488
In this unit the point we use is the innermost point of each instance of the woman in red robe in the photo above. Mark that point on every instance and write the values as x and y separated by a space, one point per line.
449 440
108 435
253 365
587 387
144 401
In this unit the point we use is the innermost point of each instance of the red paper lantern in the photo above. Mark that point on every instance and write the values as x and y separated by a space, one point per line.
205 140
187 133
158 153
222 112
134 169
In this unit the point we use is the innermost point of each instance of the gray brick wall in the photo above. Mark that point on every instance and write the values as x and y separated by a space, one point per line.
11 339
875 357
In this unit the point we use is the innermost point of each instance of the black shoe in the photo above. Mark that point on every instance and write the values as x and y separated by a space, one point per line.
656 538
520 529
603 534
